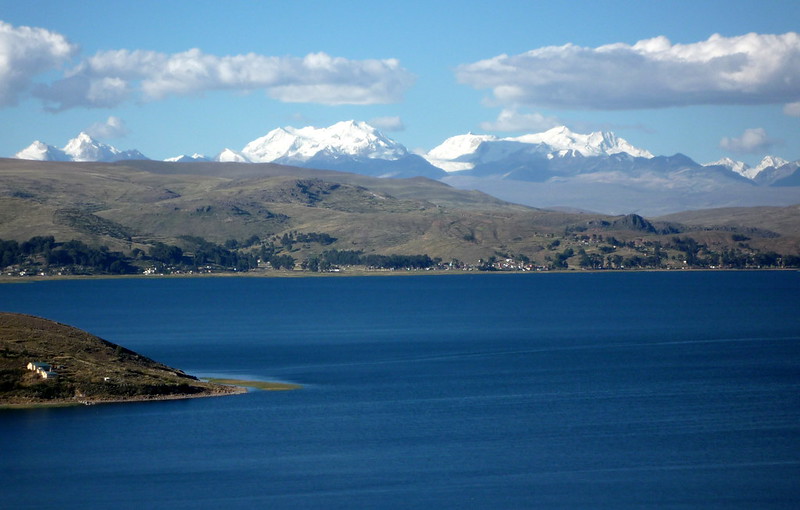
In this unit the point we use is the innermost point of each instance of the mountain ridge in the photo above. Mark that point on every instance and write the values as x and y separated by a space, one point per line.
360 144
464 152
82 148
549 169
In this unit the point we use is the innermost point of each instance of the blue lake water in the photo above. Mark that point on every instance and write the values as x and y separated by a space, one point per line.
613 390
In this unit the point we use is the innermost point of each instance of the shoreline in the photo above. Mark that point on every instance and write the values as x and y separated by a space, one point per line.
232 390
356 274
231 387
259 385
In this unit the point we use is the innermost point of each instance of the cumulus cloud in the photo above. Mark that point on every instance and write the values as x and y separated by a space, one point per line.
388 123
747 69
26 52
792 109
113 127
513 120
752 141
110 77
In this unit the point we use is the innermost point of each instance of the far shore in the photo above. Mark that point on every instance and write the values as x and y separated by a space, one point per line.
360 273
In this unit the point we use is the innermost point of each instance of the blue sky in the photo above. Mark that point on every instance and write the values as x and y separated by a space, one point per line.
197 76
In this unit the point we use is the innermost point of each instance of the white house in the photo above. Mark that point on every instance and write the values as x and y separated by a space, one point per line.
43 369
35 366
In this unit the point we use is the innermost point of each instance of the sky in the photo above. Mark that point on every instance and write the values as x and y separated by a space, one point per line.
708 79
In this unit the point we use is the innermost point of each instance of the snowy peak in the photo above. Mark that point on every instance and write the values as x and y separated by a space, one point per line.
769 161
746 170
85 148
457 152
183 158
231 156
39 151
347 138
737 167
599 143
81 148
459 145
348 146
276 144
463 152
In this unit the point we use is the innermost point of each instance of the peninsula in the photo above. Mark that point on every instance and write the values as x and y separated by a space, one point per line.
43 362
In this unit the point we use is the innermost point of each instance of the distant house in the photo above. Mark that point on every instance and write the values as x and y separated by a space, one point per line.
36 366
43 369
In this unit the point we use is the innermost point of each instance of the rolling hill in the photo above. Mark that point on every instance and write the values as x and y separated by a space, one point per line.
130 206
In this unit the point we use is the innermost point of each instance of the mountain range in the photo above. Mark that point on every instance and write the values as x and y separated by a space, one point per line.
81 148
771 170
555 168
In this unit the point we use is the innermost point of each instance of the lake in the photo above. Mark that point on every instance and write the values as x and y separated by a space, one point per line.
586 390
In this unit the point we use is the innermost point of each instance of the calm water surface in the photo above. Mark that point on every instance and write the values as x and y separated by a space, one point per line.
634 390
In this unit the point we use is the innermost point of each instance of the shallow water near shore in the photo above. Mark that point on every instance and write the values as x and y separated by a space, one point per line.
628 390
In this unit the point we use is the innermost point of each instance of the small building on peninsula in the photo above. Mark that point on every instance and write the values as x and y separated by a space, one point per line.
45 370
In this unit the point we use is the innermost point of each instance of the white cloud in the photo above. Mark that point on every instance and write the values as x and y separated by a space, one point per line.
111 77
26 52
748 69
752 141
113 127
388 123
792 109
513 120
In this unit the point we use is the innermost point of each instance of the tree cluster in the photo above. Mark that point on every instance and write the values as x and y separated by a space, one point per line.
200 252
334 258
74 256
290 238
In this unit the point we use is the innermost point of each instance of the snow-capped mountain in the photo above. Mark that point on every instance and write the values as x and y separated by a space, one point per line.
738 167
600 143
771 171
769 162
596 171
231 156
537 157
184 158
40 151
347 146
85 148
81 148
458 152
466 152
746 170
347 138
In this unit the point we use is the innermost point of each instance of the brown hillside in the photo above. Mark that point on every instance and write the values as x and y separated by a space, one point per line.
89 369
131 206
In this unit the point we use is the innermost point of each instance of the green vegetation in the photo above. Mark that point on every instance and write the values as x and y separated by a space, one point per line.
43 254
331 259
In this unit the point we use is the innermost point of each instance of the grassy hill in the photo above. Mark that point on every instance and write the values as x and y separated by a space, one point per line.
89 369
130 206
